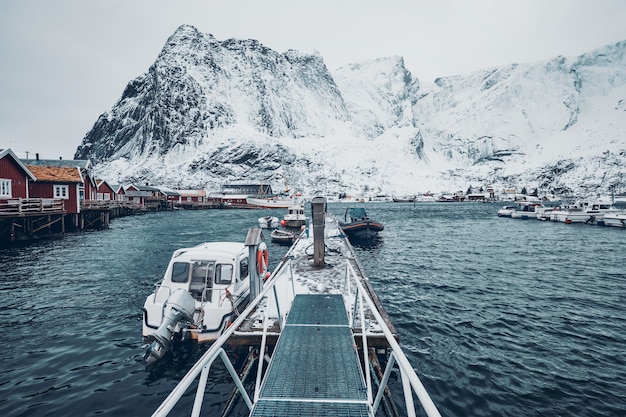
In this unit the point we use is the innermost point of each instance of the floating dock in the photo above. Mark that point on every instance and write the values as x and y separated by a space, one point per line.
320 326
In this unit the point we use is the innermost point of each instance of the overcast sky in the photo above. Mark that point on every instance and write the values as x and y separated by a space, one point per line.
65 62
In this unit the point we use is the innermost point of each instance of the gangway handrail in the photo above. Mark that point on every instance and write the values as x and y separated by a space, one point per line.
406 369
410 381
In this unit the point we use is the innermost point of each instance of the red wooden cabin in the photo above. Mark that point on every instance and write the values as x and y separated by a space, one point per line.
58 182
14 176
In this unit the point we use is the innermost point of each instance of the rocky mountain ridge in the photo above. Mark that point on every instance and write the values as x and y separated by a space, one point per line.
210 112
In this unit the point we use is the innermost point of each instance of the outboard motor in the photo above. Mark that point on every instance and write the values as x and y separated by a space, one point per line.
179 306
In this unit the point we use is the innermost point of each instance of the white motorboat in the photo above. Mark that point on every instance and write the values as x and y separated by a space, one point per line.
543 213
583 212
526 210
269 222
202 291
506 211
613 219
270 202
295 217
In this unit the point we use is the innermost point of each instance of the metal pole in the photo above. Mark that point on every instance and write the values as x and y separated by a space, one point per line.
253 239
318 215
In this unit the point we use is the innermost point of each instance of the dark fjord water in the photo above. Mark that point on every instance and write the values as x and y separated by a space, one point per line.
499 317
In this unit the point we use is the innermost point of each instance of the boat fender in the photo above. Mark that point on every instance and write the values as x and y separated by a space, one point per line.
262 259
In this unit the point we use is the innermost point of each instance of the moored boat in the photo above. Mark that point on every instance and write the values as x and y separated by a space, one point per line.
613 219
202 290
543 213
295 217
526 210
282 236
270 202
357 224
583 212
269 222
403 199
505 211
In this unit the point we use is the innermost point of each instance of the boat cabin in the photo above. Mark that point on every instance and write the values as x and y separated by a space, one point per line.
210 272
208 268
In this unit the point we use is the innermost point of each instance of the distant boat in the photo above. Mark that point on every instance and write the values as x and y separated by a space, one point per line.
271 202
526 210
269 222
583 212
506 211
359 226
613 220
295 217
404 200
543 213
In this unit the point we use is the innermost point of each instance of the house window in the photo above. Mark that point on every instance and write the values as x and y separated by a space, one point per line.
61 191
5 188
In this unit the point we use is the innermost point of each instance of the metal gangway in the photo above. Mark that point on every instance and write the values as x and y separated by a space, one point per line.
290 386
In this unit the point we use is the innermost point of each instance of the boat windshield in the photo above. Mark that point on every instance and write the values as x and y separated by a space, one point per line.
357 213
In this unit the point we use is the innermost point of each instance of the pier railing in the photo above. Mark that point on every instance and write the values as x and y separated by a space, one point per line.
31 206
273 306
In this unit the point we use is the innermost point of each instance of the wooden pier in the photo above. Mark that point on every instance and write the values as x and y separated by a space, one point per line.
25 219
321 274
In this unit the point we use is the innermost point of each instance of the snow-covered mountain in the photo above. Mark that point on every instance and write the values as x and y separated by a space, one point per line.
210 112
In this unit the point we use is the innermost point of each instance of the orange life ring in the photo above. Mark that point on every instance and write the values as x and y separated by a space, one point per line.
262 259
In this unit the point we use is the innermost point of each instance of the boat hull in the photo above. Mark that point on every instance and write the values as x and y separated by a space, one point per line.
362 230
613 220
269 203
295 223
282 237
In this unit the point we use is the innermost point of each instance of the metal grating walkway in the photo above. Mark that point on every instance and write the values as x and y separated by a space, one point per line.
315 368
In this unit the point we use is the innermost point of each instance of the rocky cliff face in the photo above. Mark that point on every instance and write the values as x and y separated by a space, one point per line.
209 112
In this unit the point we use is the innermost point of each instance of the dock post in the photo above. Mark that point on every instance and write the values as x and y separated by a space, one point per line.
318 208
253 240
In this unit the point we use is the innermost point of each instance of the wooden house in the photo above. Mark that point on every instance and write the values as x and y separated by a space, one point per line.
104 191
144 196
86 190
192 196
235 200
57 182
15 177
119 192
170 195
